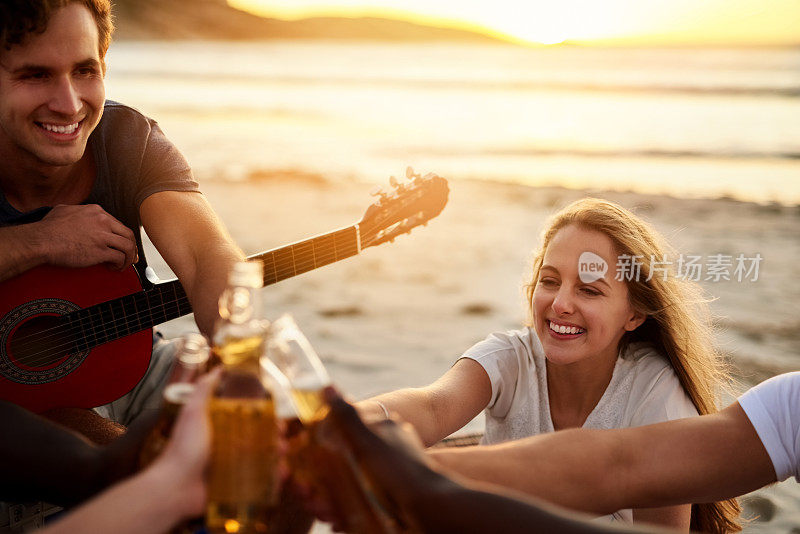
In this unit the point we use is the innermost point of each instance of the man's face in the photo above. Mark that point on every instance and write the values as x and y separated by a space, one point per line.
51 91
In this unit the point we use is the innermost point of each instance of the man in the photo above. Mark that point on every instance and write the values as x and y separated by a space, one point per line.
80 174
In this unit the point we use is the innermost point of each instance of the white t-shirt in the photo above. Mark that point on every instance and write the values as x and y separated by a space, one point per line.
773 408
643 390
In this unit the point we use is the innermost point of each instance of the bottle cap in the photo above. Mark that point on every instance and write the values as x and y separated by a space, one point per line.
194 350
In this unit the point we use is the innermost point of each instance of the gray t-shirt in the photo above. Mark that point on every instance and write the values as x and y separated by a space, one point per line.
643 390
134 159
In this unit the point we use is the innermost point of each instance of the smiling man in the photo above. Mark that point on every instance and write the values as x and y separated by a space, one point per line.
81 175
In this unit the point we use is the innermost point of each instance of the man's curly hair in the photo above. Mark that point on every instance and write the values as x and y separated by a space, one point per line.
20 18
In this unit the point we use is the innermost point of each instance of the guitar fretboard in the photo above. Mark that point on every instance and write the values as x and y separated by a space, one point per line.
133 313
303 256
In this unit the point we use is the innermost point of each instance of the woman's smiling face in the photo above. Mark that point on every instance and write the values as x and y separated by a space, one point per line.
577 319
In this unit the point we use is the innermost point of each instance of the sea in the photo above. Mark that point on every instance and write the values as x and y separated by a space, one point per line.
686 122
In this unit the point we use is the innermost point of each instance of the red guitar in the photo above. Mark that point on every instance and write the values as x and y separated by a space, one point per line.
83 337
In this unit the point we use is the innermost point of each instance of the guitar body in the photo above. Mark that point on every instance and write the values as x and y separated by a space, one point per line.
40 365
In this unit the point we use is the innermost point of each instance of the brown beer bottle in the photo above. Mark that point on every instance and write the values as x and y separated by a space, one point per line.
243 476
190 364
326 466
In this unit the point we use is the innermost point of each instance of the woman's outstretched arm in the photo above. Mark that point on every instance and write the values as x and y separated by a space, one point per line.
437 410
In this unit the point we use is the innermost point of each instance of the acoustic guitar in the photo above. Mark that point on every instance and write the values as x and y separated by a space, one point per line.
83 337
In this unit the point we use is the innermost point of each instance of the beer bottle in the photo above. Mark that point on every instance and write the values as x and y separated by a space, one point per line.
190 365
326 466
243 476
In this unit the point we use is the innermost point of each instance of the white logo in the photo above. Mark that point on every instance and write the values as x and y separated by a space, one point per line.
591 267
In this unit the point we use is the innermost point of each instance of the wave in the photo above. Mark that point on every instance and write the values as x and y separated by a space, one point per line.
466 84
610 154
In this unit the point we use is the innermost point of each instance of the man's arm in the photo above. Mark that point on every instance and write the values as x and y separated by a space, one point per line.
44 461
68 236
196 246
434 503
170 490
698 459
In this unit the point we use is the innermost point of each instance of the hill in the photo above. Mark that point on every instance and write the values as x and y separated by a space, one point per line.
215 19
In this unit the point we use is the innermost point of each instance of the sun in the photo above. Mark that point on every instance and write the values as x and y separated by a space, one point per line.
578 21
556 22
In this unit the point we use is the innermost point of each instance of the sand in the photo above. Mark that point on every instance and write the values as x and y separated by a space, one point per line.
399 314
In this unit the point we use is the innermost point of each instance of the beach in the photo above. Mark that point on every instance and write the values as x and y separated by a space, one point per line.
287 139
400 314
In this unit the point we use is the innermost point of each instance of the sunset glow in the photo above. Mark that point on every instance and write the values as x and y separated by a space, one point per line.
665 22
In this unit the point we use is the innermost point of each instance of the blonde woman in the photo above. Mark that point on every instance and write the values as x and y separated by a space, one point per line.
600 351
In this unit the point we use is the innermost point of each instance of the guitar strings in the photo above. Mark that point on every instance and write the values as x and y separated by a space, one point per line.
57 351
33 359
36 358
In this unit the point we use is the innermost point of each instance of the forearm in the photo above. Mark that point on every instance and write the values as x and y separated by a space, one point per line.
557 467
413 405
207 282
457 508
149 502
43 461
22 248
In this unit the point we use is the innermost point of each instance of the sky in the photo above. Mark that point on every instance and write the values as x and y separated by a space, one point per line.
638 22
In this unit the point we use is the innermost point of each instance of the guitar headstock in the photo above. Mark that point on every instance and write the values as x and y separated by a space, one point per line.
409 204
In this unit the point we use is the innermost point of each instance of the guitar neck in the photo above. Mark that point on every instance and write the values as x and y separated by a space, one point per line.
303 256
167 300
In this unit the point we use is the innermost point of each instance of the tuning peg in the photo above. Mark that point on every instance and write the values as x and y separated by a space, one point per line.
410 172
393 181
377 191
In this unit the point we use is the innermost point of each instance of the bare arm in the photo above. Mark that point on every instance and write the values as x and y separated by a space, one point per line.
699 459
156 499
44 461
441 408
195 244
434 503
149 502
68 236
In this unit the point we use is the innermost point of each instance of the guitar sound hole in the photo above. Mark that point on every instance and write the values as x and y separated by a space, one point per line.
40 342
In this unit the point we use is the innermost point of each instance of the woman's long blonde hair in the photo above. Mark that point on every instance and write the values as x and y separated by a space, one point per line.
678 322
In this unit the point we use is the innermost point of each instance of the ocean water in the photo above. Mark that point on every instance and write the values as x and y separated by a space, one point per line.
684 122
